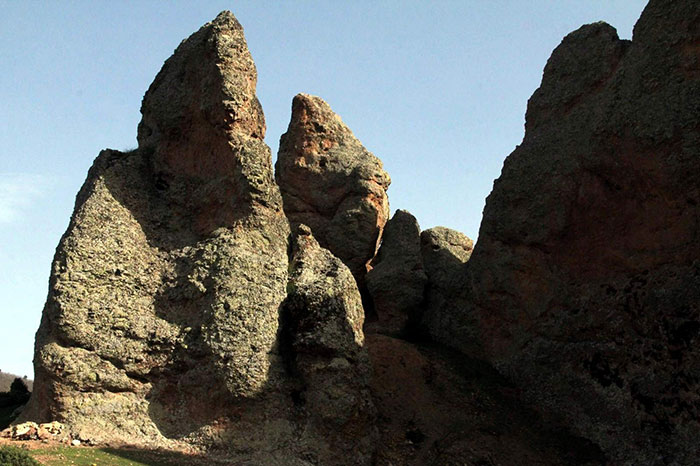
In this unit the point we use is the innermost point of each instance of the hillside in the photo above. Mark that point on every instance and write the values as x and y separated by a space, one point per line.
7 378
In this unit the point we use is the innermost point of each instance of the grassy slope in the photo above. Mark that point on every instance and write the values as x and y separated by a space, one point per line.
63 455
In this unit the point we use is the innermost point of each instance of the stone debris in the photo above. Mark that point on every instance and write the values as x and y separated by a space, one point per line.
33 431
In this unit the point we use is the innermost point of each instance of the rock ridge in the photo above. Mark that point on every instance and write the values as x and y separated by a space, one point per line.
585 271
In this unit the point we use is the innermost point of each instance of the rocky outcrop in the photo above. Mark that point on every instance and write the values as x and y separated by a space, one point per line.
397 280
164 295
331 183
324 318
584 284
445 253
179 314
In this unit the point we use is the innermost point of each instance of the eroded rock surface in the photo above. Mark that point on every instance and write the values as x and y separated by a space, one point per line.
585 281
397 280
324 318
331 183
179 314
445 253
165 289
437 406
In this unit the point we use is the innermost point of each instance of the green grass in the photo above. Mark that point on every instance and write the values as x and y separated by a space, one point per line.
13 456
78 456
60 456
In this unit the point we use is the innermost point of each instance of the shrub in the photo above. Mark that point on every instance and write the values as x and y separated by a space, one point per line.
13 456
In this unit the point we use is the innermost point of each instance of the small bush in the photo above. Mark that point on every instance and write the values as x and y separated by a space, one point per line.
13 456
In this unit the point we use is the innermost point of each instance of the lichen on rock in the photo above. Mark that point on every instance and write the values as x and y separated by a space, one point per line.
165 289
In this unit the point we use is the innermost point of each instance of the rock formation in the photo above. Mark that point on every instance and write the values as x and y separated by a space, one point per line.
445 253
324 317
165 289
162 321
397 280
183 311
584 285
331 183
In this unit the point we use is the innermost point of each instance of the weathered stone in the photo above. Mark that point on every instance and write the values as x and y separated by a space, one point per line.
24 431
437 407
165 290
324 318
331 183
175 314
397 280
53 428
445 253
585 282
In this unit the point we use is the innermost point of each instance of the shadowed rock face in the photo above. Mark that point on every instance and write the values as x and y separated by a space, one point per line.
324 316
585 282
165 289
331 183
445 253
397 280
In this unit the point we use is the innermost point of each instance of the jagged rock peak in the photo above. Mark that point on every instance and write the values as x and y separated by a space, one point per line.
163 307
331 183
214 68
202 129
584 59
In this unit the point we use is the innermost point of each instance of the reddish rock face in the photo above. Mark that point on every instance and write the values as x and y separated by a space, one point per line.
203 129
585 282
331 183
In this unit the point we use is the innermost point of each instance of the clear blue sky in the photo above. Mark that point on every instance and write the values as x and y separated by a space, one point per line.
437 90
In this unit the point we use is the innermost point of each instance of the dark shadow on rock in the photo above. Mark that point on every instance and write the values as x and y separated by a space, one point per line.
453 409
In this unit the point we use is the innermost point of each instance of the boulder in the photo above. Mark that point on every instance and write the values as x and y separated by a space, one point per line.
331 183
445 253
24 431
397 280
